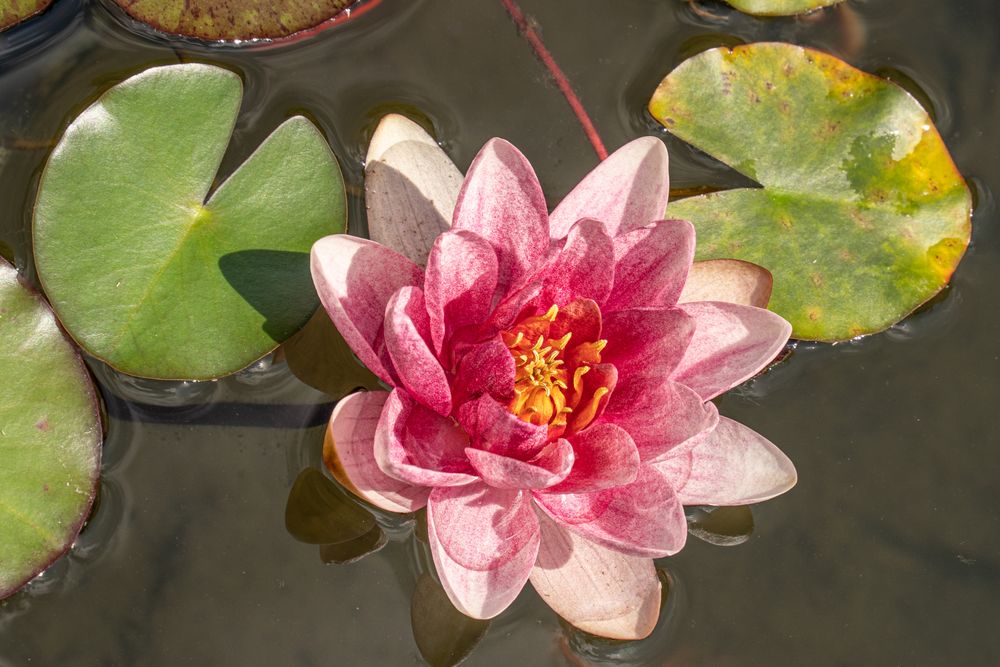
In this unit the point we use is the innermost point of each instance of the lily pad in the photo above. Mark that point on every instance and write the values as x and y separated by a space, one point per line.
863 215
13 12
144 272
50 436
232 20
779 7
444 635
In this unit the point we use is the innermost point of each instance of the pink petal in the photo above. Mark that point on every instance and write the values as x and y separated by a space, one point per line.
355 279
419 446
643 518
485 368
626 191
484 542
659 414
582 317
493 428
731 280
460 282
550 467
732 465
599 591
651 265
410 188
605 456
502 201
583 269
731 344
407 331
646 340
349 454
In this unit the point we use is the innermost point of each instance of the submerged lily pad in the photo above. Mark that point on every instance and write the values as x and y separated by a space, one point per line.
444 635
13 12
863 215
141 269
233 19
780 7
50 436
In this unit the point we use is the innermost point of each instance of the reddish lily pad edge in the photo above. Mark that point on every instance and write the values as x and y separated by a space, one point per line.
11 16
353 9
74 530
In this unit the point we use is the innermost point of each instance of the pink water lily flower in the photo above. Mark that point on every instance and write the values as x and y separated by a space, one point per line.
551 377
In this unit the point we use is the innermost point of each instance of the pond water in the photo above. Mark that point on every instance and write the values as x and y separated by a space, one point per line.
887 551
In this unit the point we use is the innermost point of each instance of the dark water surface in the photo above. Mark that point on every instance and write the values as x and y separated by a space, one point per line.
886 553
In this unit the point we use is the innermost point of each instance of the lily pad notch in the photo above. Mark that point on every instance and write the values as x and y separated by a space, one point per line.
148 272
863 215
50 436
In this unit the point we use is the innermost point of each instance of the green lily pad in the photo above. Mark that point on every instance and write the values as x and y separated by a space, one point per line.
862 216
779 7
144 272
13 12
50 436
233 19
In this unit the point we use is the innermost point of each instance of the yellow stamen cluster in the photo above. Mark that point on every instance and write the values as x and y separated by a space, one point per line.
544 391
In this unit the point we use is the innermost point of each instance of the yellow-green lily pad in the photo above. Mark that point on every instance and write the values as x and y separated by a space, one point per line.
780 7
13 12
231 20
862 216
50 436
146 270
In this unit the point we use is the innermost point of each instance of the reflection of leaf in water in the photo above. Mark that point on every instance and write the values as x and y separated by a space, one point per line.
721 526
318 356
444 635
352 550
318 512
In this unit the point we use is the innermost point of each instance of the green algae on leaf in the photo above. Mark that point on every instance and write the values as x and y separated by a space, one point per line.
50 436
144 271
233 20
13 12
863 215
779 7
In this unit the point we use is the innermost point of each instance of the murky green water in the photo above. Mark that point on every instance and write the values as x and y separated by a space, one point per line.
886 553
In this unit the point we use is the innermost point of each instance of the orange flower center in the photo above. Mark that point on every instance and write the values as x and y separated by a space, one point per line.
550 386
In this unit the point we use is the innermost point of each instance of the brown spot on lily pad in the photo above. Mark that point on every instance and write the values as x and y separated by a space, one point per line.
232 20
43 424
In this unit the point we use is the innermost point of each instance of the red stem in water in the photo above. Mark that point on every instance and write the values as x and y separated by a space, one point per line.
535 40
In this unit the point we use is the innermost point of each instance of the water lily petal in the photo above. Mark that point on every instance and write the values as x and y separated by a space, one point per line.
493 428
644 518
502 201
355 278
731 344
606 456
732 280
407 332
484 542
460 282
550 467
599 591
582 317
485 368
419 446
411 187
659 414
583 268
626 191
349 455
733 465
646 340
598 386
651 265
